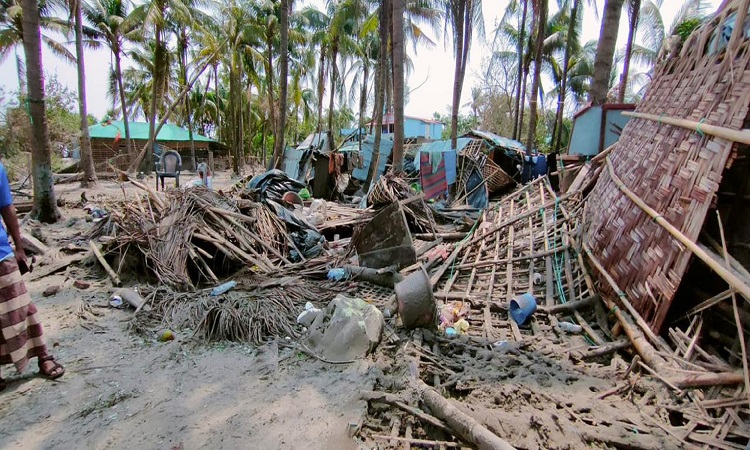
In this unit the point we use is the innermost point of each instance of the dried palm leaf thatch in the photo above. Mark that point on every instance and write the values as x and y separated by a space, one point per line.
184 236
252 315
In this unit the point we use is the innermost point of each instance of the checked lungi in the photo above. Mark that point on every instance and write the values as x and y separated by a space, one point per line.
22 336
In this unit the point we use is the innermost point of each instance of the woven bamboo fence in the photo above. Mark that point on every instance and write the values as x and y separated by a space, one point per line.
669 162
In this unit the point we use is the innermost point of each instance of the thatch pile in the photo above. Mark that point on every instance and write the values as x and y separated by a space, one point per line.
251 313
184 237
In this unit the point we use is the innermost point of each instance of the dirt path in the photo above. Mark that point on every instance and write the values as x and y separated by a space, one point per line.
122 391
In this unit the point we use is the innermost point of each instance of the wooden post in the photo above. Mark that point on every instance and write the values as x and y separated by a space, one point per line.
211 160
112 275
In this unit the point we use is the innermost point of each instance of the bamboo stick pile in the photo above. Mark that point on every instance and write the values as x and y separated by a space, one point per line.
185 237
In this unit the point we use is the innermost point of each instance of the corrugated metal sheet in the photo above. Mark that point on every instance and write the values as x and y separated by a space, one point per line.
498 141
386 147
140 131
292 158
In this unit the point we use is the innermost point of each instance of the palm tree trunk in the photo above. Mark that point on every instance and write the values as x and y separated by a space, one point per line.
321 85
183 47
557 134
379 95
541 21
87 161
155 81
233 124
130 148
270 83
519 79
605 51
632 27
45 206
188 111
460 17
334 75
278 152
218 103
398 85
522 110
363 96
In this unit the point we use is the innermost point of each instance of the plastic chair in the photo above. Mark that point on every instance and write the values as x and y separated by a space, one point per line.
170 166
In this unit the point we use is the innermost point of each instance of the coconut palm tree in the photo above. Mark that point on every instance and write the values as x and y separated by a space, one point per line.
647 34
397 39
383 16
117 25
45 206
572 44
87 161
11 31
605 51
159 14
278 151
540 20
516 34
463 16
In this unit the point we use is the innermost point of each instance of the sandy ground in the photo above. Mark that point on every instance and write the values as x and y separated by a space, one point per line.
124 391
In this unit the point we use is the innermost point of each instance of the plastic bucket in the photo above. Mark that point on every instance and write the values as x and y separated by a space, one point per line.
522 307
416 303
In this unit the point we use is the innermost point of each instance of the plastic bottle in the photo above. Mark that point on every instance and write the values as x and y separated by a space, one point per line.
570 327
222 288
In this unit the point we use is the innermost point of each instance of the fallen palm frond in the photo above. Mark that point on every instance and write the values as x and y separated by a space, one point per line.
184 236
241 315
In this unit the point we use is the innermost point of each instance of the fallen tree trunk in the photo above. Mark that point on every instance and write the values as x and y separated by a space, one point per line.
463 425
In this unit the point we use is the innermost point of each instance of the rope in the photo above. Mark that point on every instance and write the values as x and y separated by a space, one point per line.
557 267
698 127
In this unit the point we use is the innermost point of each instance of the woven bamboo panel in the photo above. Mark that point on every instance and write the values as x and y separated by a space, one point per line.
674 170
496 177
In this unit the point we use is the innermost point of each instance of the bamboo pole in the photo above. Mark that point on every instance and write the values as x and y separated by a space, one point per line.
742 136
732 280
737 321
112 275
640 343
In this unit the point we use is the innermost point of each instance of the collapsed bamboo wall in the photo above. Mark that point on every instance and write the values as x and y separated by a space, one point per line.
676 170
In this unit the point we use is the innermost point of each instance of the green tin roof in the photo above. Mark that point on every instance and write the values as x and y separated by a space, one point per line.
139 130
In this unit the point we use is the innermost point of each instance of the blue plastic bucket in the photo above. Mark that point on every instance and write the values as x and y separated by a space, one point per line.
522 307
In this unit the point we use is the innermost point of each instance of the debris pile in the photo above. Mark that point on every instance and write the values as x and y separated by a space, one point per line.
184 237
254 311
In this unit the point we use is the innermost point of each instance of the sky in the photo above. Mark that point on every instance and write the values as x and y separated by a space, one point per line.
433 68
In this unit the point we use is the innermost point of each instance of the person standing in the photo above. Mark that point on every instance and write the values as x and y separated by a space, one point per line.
21 333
